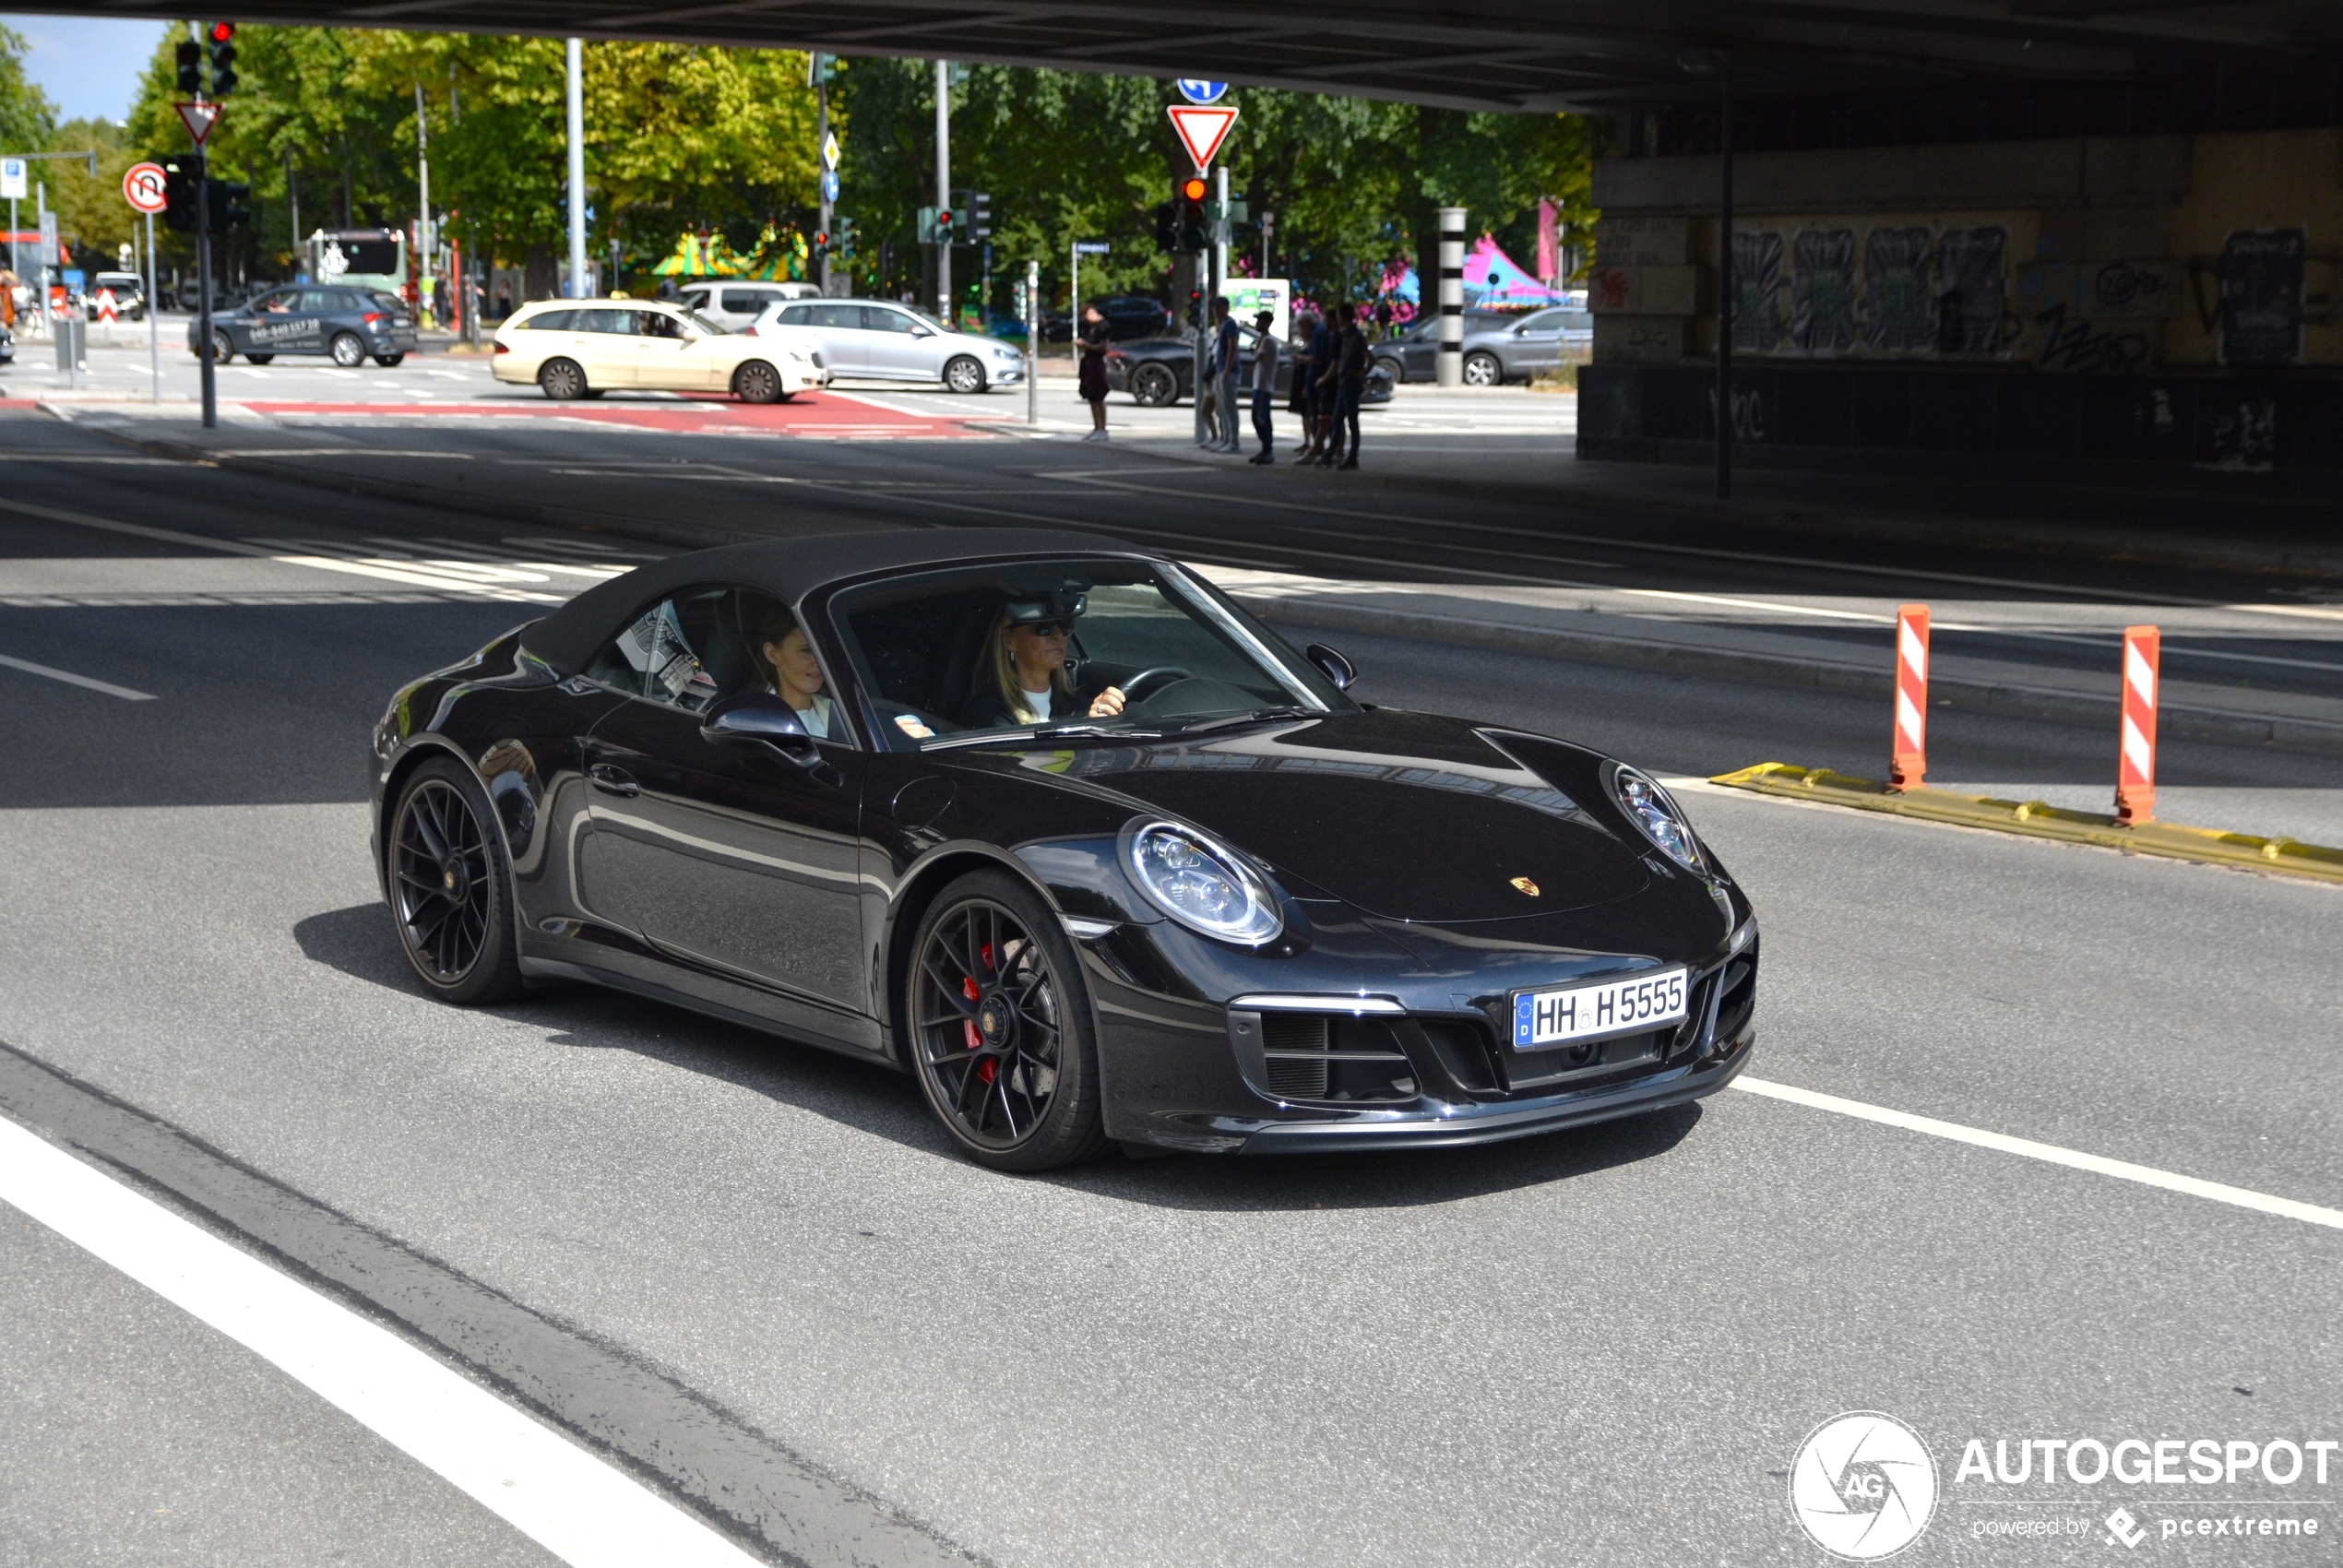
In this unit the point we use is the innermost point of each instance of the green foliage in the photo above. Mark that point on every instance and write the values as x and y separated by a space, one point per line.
27 117
93 218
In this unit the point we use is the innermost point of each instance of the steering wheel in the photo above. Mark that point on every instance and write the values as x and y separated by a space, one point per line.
1144 684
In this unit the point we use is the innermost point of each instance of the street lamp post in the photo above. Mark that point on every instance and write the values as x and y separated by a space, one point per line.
577 170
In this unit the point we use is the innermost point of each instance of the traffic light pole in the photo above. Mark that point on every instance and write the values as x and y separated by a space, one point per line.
822 140
944 189
203 285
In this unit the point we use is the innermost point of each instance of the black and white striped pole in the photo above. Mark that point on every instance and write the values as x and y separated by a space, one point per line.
1452 223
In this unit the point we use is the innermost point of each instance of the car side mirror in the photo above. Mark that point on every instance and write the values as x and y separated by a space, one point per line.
1339 670
764 720
921 332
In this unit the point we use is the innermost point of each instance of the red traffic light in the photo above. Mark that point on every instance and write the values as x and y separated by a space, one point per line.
1192 188
944 216
222 32
820 238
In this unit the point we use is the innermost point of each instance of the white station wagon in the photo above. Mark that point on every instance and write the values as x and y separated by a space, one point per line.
585 348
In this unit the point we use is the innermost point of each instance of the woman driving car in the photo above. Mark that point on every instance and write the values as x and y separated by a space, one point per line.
1021 675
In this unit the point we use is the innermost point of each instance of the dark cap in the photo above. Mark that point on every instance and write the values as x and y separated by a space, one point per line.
1262 317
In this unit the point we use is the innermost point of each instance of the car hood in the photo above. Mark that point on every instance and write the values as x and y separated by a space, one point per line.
1406 816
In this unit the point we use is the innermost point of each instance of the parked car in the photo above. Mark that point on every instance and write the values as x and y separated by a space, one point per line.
736 306
1499 346
1133 316
1159 370
129 293
346 325
583 350
880 340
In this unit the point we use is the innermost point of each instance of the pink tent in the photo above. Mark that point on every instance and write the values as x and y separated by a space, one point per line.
1494 279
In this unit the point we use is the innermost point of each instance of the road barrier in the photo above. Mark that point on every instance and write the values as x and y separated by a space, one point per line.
1908 761
2135 761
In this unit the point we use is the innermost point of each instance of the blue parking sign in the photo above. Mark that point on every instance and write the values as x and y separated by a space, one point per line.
1196 91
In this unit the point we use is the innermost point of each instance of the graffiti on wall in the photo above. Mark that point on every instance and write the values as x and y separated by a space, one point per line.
2261 295
1899 315
1822 290
1970 290
2074 344
1758 280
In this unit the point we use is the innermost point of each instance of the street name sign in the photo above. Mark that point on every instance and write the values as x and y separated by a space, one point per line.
11 179
1201 130
1198 91
142 187
1092 247
199 119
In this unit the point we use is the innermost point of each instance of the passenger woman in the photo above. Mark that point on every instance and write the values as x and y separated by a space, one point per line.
792 673
1021 677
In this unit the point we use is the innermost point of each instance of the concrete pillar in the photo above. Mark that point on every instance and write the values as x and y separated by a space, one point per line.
1452 225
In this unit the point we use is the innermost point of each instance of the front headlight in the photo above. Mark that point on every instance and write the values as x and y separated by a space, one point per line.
1203 885
1663 822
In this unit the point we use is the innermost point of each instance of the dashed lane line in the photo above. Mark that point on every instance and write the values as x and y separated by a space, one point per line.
70 678
580 1509
2074 1159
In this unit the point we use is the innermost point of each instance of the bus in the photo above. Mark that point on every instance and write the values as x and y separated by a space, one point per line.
362 258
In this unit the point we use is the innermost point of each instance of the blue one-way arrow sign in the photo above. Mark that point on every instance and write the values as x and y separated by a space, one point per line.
1198 92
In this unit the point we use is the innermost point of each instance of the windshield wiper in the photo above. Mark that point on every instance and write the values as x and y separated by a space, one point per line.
1039 733
1258 716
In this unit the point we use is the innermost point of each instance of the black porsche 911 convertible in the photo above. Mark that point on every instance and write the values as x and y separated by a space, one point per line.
1050 824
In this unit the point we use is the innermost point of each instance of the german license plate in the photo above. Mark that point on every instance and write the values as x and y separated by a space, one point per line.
1542 1019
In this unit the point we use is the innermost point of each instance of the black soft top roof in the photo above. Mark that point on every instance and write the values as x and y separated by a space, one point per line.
789 569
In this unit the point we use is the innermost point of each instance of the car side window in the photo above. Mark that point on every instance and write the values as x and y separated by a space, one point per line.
618 321
834 317
797 315
878 318
657 324
276 301
321 301
547 321
740 301
659 654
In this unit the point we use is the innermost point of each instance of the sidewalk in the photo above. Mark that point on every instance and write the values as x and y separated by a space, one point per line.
1557 623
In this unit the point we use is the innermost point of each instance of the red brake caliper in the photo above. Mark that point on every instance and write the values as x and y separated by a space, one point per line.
986 1068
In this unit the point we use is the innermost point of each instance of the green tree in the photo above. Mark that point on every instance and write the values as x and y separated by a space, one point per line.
27 117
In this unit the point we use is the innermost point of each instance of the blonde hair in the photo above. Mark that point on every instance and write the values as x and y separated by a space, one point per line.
1003 673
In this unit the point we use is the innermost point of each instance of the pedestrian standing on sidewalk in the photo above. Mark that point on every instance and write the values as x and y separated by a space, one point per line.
1224 375
1298 399
1091 378
1321 382
1346 378
1265 383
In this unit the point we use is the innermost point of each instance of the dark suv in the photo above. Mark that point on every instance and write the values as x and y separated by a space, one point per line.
1132 316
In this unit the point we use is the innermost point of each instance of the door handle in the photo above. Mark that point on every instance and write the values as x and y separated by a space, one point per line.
613 780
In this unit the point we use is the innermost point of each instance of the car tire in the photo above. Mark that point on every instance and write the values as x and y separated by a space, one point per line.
756 382
963 374
223 348
451 886
1483 370
561 380
260 359
990 934
388 361
1395 369
347 350
1153 386
592 392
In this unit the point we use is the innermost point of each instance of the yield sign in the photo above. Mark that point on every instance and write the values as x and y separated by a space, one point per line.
1201 130
199 119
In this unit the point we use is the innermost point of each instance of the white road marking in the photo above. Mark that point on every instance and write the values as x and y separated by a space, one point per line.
581 1510
125 692
2074 1159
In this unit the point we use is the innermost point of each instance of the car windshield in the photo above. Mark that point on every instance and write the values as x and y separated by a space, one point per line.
1065 650
388 302
705 325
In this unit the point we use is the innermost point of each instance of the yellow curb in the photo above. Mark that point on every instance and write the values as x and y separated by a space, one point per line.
2038 819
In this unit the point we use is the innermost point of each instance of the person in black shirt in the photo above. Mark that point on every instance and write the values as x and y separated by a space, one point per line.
1344 380
1091 344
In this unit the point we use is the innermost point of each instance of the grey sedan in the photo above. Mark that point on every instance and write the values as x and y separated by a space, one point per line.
346 325
1498 346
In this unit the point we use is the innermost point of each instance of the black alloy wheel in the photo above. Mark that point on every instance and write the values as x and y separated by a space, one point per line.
1483 370
561 380
756 382
1001 1035
1395 369
1152 386
451 888
963 374
347 350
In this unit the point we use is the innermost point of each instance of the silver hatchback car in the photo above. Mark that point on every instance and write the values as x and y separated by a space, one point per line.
1498 346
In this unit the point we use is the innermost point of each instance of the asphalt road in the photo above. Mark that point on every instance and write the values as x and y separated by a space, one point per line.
1601 1347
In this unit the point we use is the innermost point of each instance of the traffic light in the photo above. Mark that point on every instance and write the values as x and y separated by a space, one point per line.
947 231
845 238
1167 227
820 68
180 183
190 67
223 59
978 211
1194 236
228 198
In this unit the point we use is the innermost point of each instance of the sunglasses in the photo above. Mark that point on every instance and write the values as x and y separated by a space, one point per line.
1048 628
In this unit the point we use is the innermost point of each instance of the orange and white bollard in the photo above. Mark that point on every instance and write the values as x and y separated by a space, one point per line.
1907 762
2136 763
